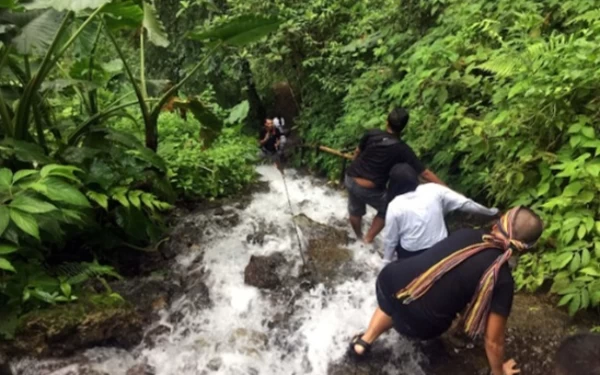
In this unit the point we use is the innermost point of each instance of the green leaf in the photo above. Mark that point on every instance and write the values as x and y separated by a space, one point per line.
31 205
66 289
588 132
134 198
25 222
60 191
239 30
575 263
562 260
238 113
6 177
565 299
8 248
119 195
586 196
6 265
211 124
123 14
581 231
36 36
543 189
575 304
573 189
4 218
60 171
154 27
23 173
147 200
591 271
71 5
585 298
585 257
7 4
99 198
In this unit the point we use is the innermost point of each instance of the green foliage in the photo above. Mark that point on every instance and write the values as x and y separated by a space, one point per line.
503 98
219 171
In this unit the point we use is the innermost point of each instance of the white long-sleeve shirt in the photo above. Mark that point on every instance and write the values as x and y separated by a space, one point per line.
415 220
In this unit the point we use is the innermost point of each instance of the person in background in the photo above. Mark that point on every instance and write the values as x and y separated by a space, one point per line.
578 354
422 295
367 176
415 215
269 139
279 123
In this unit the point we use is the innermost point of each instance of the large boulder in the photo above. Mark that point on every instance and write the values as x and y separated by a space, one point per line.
61 330
326 246
264 271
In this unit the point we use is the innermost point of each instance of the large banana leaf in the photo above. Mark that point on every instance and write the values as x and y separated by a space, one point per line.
239 30
154 27
71 5
36 30
7 3
124 14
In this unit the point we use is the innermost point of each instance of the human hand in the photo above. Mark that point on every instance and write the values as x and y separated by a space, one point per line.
510 367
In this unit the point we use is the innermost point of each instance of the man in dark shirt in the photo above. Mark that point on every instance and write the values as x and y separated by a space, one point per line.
421 296
269 140
367 176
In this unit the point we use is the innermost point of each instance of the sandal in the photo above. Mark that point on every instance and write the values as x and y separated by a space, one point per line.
357 340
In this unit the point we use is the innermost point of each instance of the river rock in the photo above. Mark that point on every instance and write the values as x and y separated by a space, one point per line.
262 271
325 246
61 330
141 369
149 294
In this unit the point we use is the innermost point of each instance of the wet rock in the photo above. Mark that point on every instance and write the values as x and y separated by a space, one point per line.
325 247
249 342
141 369
4 366
215 364
198 294
154 335
148 294
61 330
262 271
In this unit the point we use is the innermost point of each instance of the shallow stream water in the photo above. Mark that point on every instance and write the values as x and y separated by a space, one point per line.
250 331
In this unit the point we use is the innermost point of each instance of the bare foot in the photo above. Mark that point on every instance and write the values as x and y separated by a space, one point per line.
368 240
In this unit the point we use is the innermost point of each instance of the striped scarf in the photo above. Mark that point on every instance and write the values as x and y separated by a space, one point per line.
500 238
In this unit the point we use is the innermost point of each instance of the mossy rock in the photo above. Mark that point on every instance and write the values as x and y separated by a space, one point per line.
62 329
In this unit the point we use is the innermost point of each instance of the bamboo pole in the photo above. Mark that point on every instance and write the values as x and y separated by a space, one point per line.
336 152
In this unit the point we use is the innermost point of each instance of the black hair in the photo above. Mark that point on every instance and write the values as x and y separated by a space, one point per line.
397 119
578 355
403 179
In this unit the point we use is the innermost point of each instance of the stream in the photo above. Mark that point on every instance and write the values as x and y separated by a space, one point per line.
289 330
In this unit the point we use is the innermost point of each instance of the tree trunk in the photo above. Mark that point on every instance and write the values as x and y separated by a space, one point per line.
257 107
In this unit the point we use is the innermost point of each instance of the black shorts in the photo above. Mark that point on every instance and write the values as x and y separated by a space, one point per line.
393 308
359 197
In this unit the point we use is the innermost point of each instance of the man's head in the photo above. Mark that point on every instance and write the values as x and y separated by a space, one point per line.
397 120
521 226
577 355
403 179
268 123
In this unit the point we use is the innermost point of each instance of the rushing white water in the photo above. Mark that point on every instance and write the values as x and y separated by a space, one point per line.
233 336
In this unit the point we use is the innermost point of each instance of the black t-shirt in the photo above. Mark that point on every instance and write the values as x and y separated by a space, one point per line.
433 313
270 144
379 152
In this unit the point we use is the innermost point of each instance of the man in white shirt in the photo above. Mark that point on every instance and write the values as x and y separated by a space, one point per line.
415 215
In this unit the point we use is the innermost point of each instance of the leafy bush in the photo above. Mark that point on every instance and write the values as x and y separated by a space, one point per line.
503 98
194 171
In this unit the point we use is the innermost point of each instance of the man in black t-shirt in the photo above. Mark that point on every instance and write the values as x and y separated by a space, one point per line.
421 296
367 176
269 139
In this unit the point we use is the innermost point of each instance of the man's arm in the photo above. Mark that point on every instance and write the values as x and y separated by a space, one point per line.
391 235
265 139
429 176
494 342
452 201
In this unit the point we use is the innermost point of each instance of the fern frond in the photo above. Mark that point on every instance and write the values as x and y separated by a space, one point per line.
503 66
77 273
590 17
